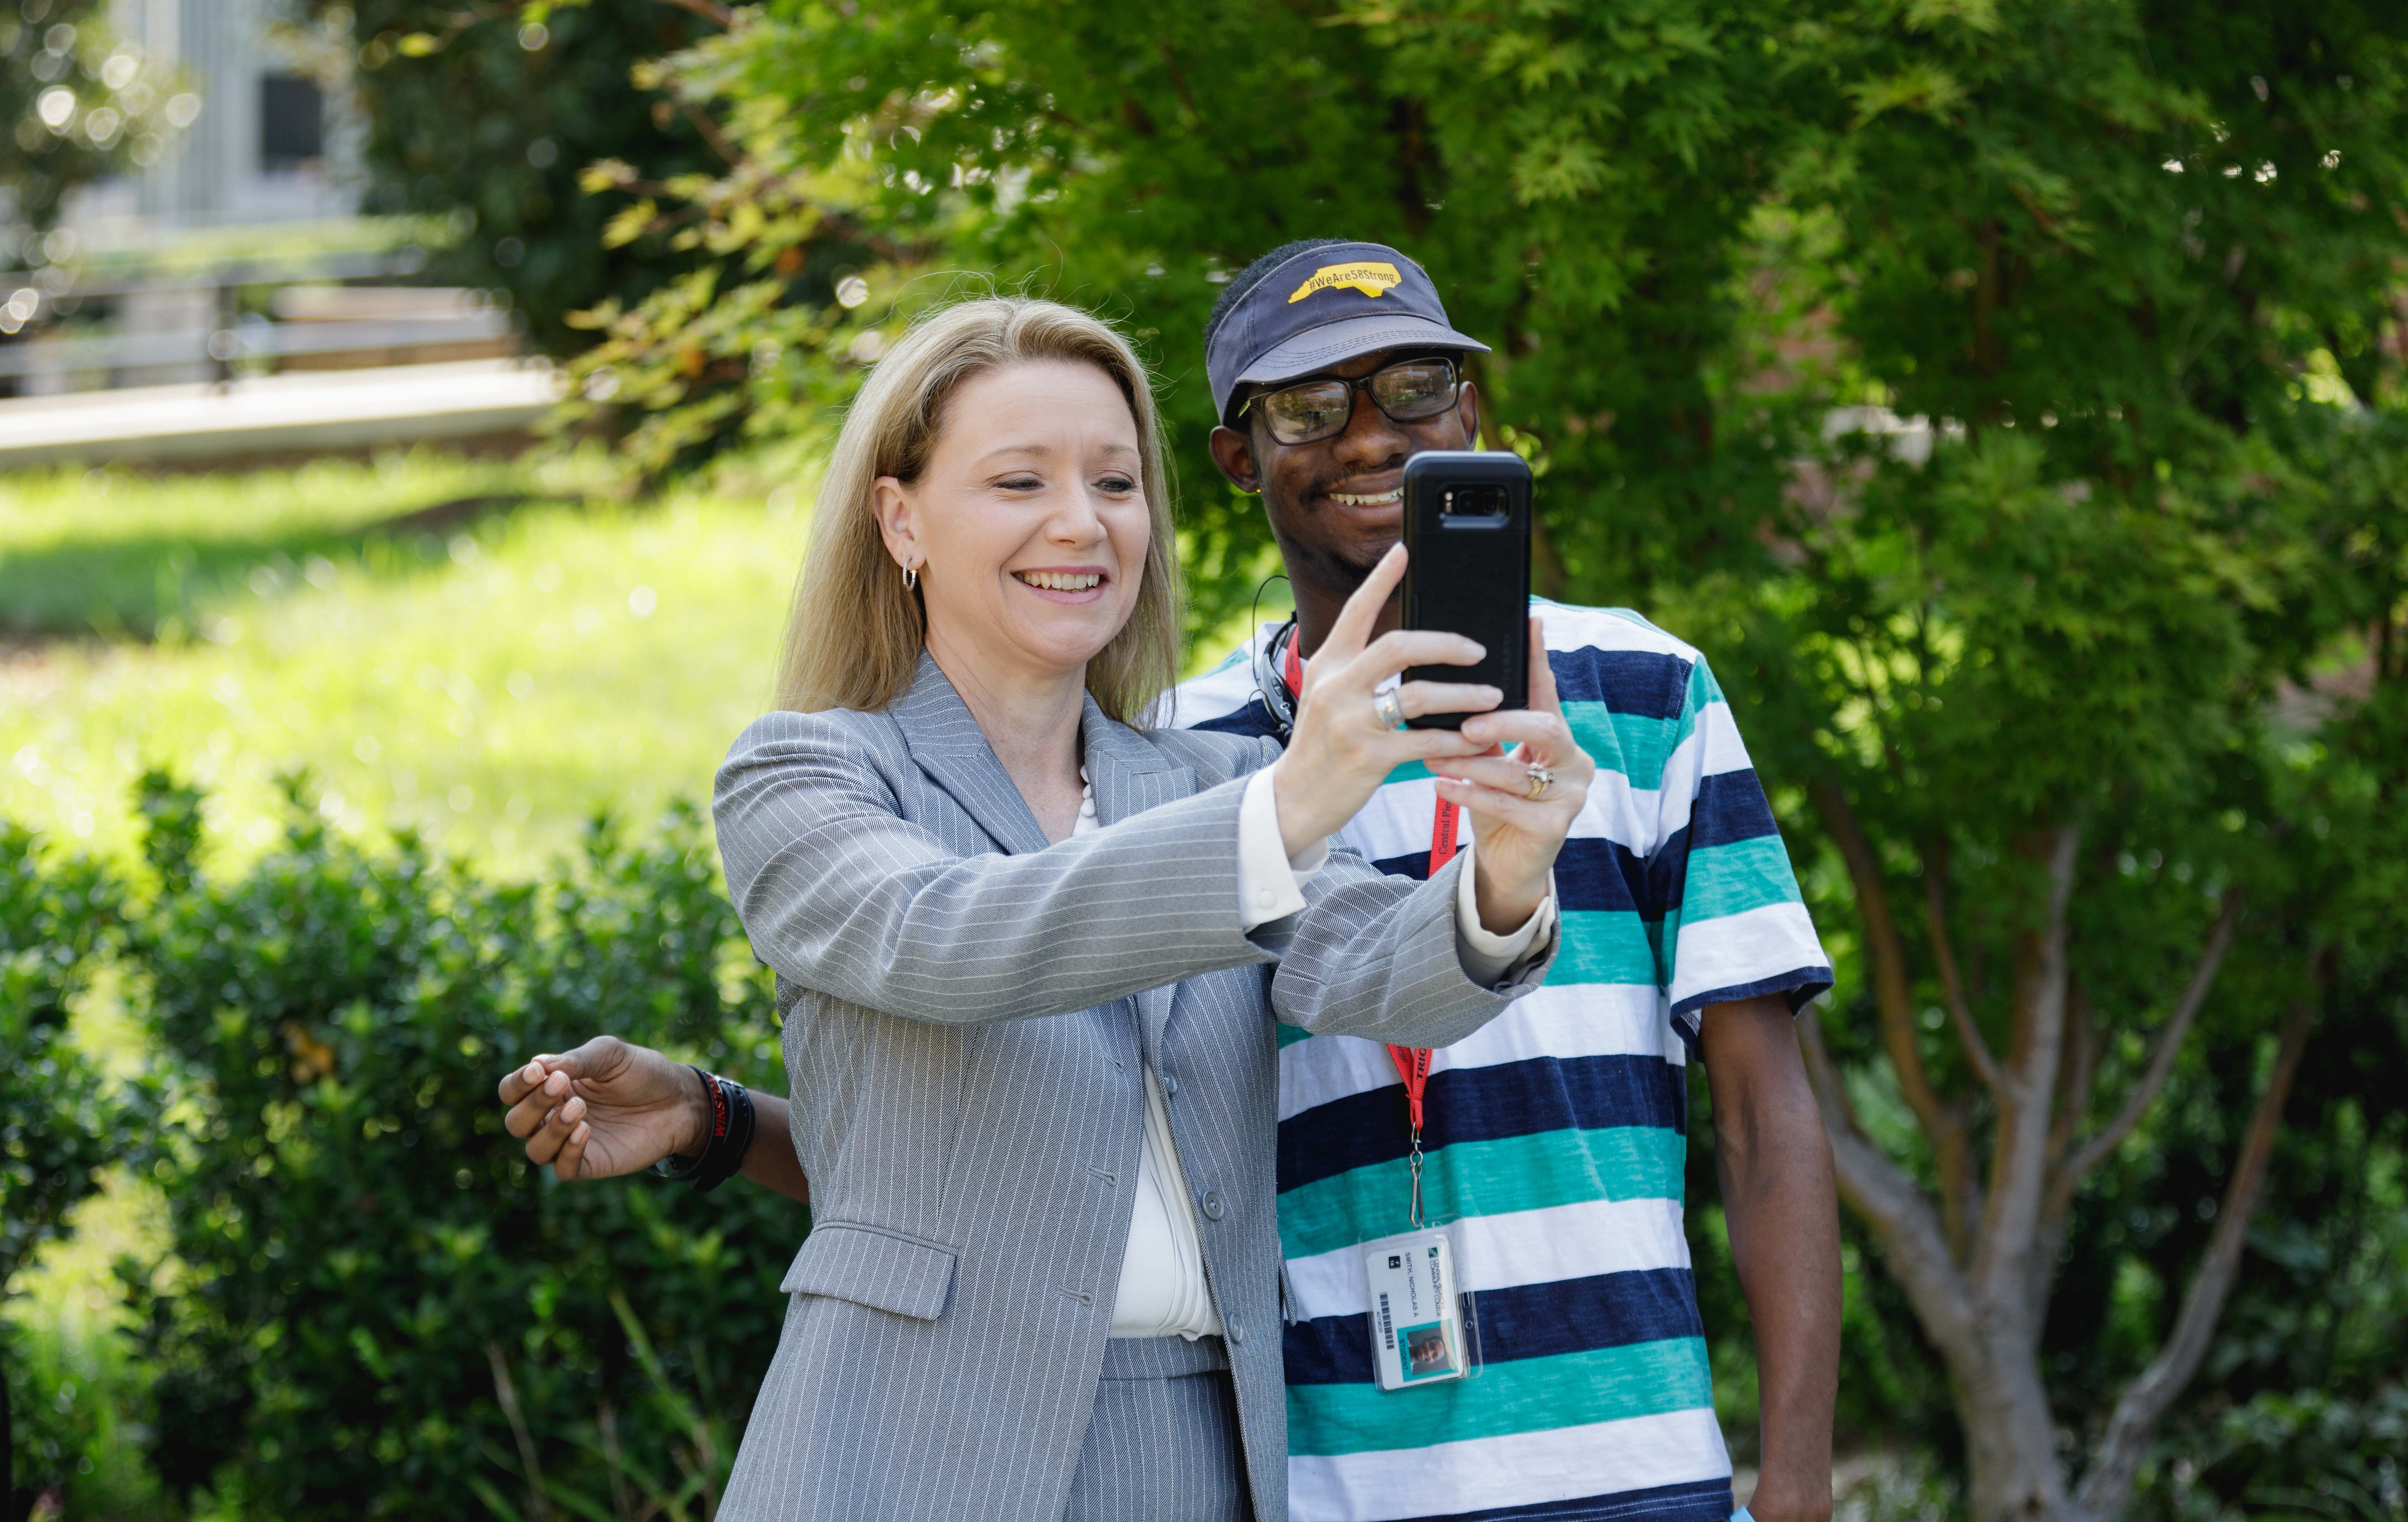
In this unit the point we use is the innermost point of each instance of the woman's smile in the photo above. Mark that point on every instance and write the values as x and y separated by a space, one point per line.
1064 584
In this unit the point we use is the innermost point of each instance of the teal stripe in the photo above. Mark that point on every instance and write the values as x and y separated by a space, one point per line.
1524 1395
1630 743
1483 1178
1290 1035
1735 878
1703 688
1411 771
1604 946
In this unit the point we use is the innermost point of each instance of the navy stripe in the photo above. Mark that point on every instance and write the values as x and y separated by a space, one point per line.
1525 1321
1701 1500
1482 1104
1591 872
1253 718
1730 806
1798 986
1637 681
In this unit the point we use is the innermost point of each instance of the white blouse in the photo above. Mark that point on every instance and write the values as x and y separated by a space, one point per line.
1162 1289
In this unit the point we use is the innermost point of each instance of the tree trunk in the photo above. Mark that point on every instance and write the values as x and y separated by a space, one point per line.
2013 1474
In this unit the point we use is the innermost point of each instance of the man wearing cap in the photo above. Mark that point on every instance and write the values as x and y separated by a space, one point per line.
1553 1142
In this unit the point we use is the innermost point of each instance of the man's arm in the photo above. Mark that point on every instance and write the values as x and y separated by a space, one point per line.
1782 1203
608 1108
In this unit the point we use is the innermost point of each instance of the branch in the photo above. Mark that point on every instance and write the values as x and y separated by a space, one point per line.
1895 999
1913 1243
2019 1156
2161 1060
539 1502
711 133
709 10
2077 1072
1944 954
2108 1484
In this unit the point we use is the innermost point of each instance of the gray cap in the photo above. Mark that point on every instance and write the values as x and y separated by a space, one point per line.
1322 307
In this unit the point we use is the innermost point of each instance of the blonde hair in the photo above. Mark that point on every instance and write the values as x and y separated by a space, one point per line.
855 636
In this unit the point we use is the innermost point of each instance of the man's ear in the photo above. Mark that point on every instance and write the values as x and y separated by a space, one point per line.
1233 451
1467 407
890 502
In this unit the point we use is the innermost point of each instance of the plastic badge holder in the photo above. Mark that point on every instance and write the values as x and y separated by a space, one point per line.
1425 1327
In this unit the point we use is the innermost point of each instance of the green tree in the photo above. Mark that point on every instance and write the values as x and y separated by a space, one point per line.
486 115
2005 394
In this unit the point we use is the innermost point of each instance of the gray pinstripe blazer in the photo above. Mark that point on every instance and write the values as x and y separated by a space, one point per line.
966 1010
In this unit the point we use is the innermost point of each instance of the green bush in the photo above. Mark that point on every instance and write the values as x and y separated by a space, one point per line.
377 1307
59 1114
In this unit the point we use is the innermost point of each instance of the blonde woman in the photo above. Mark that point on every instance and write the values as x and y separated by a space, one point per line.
1029 954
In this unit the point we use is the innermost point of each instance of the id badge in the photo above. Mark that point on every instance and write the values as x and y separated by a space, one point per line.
1416 1311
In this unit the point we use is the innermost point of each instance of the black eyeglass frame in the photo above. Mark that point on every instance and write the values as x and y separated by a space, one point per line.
1360 385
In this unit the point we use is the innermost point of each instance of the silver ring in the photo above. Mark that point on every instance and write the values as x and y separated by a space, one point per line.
1540 780
1389 706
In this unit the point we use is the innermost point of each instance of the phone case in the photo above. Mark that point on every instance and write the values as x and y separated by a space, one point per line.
1468 540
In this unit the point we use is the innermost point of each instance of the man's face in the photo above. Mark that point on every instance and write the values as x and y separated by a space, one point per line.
1336 504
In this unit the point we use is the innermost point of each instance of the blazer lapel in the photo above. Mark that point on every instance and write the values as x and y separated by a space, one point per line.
1129 777
949 746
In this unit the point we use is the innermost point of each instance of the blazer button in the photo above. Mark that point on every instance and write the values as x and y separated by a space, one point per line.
1212 1206
1235 1333
1169 1084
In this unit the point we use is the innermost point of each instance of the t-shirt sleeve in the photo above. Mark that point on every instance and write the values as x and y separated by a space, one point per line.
1724 902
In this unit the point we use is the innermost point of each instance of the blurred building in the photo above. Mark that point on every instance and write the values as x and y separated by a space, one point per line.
276 140
192 308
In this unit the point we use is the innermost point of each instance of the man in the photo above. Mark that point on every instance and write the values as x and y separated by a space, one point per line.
1552 1143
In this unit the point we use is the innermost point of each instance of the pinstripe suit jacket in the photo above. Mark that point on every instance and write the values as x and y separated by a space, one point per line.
965 1011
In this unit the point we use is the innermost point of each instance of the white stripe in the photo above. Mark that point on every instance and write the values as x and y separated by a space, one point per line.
1732 951
1719 732
1211 696
1559 1020
1522 1247
1569 627
1524 1469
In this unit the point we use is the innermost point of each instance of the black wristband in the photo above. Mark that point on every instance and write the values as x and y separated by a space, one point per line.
724 1148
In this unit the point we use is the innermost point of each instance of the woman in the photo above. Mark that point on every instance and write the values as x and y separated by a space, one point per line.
1029 956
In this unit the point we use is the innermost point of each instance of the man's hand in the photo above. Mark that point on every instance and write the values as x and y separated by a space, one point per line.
605 1109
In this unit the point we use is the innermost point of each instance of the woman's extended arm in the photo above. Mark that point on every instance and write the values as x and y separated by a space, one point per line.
838 893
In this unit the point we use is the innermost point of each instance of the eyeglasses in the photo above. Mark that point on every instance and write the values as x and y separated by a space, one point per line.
1408 391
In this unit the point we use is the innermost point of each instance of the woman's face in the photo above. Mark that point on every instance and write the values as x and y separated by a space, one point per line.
1029 522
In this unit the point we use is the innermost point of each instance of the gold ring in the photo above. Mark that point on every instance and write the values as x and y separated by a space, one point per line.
1541 779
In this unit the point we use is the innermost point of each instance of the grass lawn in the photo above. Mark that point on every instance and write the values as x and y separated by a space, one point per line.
476 649
460 646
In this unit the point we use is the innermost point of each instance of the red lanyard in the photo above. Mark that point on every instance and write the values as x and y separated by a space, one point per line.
1412 1062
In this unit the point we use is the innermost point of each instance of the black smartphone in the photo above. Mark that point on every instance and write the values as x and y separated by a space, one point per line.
1468 537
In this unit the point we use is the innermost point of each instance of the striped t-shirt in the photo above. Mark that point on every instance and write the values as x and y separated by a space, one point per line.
1554 1139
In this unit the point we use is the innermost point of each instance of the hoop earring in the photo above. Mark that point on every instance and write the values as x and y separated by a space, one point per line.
910 578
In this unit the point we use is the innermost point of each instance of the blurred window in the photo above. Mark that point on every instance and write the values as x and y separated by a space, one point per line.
292 122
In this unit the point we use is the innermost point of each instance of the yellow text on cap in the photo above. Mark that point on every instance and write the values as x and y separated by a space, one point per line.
1372 279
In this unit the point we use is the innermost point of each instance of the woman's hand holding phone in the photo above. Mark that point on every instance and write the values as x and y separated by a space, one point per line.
1518 837
1342 748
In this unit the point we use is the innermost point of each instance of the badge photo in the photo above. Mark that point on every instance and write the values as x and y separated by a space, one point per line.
1417 1322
